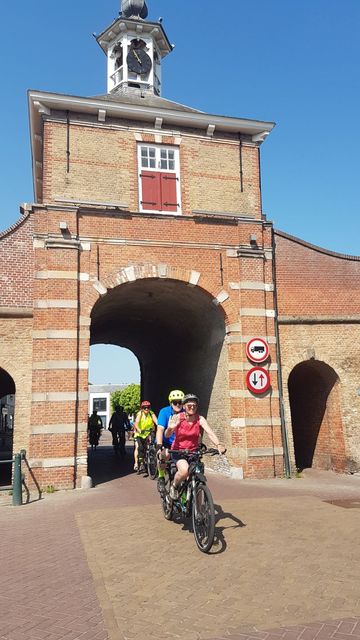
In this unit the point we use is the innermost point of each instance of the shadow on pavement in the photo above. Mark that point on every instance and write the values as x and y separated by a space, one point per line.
105 465
219 540
220 544
37 494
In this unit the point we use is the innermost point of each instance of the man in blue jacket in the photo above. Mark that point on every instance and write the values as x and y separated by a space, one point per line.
163 444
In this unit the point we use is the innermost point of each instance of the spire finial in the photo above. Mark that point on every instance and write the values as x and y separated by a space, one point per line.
134 9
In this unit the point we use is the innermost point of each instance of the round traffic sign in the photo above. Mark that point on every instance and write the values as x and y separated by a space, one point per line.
258 380
257 350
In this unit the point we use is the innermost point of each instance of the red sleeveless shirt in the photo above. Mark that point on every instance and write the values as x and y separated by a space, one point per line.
187 434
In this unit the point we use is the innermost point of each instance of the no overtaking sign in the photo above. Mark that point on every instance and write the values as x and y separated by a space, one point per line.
258 380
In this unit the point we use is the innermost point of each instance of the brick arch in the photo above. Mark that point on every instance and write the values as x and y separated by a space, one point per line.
135 272
315 404
132 307
7 387
7 383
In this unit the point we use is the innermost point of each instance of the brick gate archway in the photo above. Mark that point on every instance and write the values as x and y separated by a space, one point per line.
176 332
314 393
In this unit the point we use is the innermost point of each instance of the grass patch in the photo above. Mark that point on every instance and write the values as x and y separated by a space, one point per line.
49 489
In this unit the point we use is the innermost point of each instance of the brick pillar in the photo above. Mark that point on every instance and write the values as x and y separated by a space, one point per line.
58 440
255 419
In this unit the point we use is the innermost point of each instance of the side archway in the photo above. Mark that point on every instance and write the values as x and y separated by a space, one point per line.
315 404
7 410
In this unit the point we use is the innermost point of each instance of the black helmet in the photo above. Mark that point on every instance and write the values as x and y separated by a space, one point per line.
190 397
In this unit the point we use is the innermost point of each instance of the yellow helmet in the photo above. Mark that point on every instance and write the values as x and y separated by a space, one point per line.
176 394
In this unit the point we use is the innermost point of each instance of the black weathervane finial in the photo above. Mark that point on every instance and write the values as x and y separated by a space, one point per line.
134 9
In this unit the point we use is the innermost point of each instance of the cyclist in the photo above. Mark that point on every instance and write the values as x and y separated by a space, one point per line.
163 444
94 429
145 424
187 428
119 423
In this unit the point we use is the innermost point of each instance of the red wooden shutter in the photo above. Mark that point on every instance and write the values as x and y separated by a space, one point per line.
168 192
151 190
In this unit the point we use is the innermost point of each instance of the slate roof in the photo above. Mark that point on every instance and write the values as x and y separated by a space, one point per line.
145 99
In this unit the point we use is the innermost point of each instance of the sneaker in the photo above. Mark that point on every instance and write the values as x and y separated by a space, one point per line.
135 467
174 494
161 486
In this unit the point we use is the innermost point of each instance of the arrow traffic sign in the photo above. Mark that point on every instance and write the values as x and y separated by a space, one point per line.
258 380
257 350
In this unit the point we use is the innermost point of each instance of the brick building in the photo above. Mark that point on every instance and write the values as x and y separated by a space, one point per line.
147 232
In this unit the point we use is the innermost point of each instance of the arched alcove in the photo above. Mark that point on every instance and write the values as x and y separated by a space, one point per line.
315 403
176 332
7 412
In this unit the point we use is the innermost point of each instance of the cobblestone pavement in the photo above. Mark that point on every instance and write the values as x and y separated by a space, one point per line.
104 564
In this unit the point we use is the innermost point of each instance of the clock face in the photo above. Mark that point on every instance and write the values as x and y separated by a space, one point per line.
138 61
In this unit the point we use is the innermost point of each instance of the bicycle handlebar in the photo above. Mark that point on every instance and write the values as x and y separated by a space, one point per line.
198 452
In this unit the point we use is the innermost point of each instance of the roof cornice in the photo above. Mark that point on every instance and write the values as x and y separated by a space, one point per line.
43 102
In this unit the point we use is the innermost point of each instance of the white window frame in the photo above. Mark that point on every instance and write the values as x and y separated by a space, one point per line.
158 169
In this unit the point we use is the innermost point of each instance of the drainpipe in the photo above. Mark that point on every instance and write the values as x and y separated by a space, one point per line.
241 164
77 382
278 357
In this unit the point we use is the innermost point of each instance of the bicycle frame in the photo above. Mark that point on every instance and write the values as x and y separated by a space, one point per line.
195 476
194 499
143 451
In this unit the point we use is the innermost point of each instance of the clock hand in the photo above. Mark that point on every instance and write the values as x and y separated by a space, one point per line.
137 57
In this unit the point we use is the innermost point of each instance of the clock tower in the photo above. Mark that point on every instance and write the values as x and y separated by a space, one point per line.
134 48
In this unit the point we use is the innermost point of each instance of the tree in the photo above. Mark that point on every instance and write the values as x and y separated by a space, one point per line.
129 398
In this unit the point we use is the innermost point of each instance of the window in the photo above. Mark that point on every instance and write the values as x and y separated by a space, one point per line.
99 404
167 162
159 186
148 158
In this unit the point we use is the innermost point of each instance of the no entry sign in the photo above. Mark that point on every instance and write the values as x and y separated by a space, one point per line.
258 380
257 350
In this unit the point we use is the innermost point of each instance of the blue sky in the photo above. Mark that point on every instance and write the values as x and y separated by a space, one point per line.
289 61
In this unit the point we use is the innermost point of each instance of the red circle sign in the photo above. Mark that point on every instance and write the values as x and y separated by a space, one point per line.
258 380
257 350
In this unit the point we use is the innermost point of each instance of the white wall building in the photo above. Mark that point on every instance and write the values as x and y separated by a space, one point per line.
99 400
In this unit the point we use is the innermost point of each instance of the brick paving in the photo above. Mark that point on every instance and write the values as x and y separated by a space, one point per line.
105 565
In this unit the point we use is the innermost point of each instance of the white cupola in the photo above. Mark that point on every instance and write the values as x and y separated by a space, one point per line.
134 48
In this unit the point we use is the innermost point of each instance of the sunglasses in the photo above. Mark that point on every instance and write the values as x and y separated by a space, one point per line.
191 405
178 403
146 408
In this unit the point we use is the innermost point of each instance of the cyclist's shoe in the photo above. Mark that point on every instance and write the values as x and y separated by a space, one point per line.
161 486
135 467
174 494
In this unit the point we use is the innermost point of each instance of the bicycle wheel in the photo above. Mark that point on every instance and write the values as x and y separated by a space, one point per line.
152 464
203 517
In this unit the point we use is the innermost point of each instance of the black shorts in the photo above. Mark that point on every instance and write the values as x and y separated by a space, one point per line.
181 456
